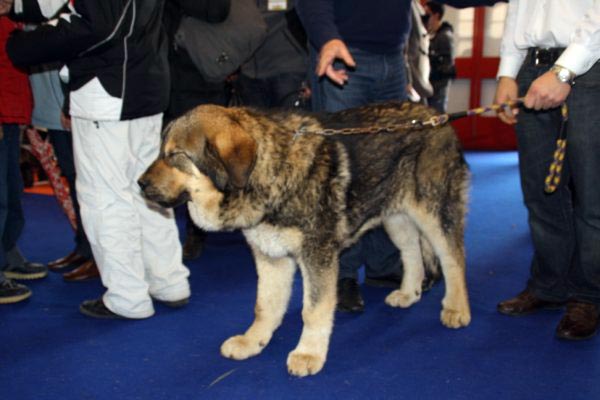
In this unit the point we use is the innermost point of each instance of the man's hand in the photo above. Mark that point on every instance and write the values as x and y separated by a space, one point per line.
546 92
507 90
5 6
332 50
65 121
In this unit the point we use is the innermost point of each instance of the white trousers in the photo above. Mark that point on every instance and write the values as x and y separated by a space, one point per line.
135 244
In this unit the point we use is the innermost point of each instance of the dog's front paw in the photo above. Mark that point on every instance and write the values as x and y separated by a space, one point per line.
241 347
303 364
403 299
455 318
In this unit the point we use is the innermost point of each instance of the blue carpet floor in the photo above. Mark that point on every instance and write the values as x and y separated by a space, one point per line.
49 351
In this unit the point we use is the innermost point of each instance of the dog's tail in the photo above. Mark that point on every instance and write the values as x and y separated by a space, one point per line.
431 263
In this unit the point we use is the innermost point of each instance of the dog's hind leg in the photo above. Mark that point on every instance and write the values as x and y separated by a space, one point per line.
405 235
319 278
448 245
275 278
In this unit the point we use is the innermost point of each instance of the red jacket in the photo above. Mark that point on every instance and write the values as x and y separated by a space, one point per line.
15 95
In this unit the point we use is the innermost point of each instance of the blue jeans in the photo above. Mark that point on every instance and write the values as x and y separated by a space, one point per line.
376 78
565 225
11 187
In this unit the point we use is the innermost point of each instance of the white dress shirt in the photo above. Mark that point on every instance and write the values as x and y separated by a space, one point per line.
573 24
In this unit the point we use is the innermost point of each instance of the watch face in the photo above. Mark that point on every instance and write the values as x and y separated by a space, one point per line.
563 75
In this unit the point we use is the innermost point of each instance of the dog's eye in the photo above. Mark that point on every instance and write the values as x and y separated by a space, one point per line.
175 155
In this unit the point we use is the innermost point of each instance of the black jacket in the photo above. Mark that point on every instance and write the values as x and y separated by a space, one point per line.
441 54
115 51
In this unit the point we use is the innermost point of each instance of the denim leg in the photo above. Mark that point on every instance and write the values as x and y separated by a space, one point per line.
550 216
12 191
4 149
376 78
439 99
583 155
62 141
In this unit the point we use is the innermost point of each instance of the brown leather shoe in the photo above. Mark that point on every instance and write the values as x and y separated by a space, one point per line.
86 271
72 259
580 321
526 303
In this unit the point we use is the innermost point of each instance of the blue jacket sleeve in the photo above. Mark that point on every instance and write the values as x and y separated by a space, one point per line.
318 19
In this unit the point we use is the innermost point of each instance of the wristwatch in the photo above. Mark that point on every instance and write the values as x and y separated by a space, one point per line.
563 74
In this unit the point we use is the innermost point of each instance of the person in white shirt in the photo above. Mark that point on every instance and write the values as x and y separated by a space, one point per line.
549 55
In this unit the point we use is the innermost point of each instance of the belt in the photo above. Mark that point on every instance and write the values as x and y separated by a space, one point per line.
543 57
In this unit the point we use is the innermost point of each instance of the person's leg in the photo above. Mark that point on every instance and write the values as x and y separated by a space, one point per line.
439 99
550 215
331 97
14 189
103 160
160 247
62 141
381 256
583 149
5 140
10 291
581 319
17 265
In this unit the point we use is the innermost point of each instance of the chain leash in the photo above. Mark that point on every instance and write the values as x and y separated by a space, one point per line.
554 174
433 121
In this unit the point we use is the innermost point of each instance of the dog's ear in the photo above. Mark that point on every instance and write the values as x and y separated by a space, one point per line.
237 151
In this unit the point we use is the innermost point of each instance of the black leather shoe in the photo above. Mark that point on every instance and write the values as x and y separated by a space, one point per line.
13 292
97 309
526 303
71 260
26 272
349 298
580 321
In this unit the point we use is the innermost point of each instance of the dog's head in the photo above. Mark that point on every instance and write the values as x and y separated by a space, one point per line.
205 151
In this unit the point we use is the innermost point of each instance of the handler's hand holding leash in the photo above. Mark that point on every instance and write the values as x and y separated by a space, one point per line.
544 93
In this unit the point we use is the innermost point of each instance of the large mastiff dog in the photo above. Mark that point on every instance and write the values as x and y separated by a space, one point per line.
302 198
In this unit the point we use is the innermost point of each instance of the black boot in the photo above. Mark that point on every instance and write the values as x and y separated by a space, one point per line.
349 297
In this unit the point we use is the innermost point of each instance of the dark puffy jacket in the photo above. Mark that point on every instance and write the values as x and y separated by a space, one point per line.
441 54
115 51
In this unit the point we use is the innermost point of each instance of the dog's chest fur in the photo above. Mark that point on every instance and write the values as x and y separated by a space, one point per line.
275 241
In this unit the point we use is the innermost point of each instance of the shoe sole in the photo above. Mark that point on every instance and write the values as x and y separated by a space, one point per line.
25 277
575 339
522 314
15 299
350 310
85 312
174 304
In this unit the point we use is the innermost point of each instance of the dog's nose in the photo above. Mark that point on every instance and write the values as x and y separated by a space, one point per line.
143 183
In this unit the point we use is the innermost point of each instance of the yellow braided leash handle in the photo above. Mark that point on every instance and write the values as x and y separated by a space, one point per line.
553 178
